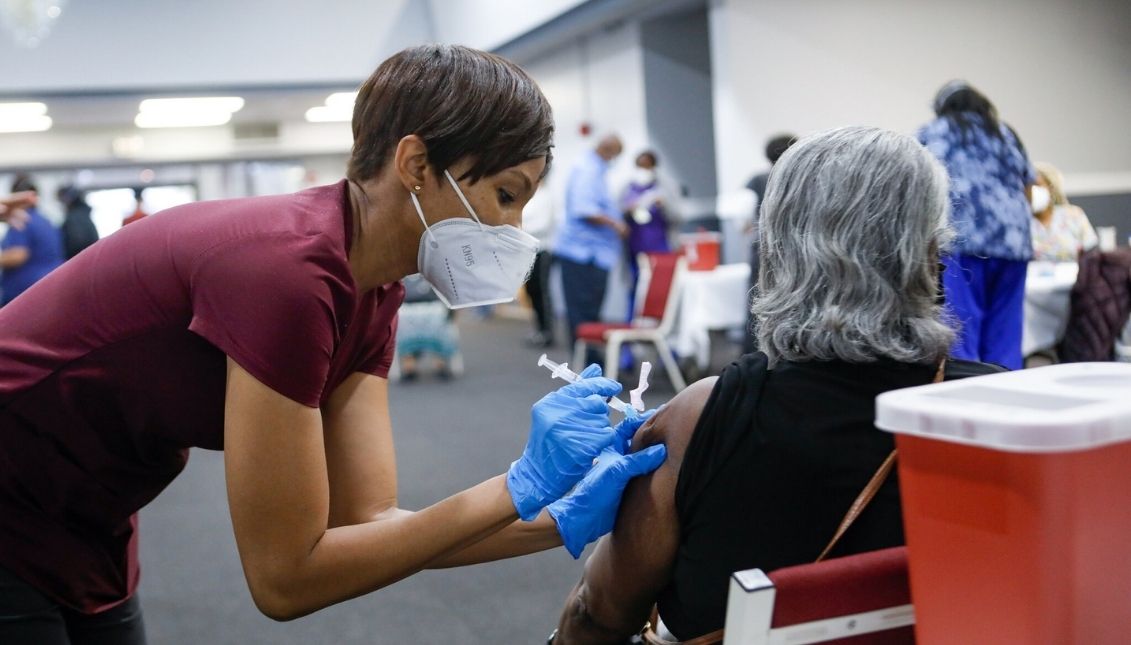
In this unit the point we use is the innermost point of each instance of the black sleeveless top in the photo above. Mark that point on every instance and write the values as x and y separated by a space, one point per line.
777 458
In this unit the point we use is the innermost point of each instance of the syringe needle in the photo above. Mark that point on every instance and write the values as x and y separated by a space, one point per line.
562 371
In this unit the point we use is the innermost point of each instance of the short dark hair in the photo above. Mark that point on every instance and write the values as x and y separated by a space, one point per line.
23 183
777 146
462 102
68 194
651 154
957 100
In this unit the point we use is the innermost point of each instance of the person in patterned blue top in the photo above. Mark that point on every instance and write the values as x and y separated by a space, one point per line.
990 176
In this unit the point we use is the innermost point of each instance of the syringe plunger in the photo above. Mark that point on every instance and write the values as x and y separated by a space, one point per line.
562 371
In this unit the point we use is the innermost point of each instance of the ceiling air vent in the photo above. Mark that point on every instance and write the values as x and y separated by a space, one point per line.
256 132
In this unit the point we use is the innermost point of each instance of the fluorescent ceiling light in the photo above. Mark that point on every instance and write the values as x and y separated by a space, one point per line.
190 112
341 100
338 107
29 123
10 110
327 114
24 117
195 119
227 104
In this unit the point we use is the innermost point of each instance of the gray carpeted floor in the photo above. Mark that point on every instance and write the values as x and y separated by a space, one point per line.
449 435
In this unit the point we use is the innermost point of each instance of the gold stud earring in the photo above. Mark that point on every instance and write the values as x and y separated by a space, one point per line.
416 188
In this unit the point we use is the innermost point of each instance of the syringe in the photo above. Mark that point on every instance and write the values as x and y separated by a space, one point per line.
562 371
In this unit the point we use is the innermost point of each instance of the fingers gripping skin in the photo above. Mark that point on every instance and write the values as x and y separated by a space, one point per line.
591 509
627 429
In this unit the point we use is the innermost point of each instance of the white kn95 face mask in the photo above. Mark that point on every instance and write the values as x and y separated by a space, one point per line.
1040 198
469 263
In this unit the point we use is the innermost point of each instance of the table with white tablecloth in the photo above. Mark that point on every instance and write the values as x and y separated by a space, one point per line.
1048 291
717 300
710 300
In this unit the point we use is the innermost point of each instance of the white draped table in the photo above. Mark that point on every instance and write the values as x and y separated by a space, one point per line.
1048 290
710 300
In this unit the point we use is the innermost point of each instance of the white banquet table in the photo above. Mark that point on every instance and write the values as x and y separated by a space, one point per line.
710 300
717 300
1048 290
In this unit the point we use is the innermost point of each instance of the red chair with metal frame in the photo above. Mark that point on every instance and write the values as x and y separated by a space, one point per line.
862 599
657 298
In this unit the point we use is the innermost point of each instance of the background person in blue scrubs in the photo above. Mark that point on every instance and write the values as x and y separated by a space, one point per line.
29 252
990 176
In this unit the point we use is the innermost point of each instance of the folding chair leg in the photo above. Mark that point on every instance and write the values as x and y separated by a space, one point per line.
669 364
612 356
579 349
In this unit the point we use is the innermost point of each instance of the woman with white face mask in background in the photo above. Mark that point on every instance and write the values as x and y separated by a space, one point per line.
264 327
1061 231
648 209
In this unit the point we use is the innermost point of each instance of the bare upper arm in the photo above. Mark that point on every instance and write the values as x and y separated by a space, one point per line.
632 565
276 478
360 459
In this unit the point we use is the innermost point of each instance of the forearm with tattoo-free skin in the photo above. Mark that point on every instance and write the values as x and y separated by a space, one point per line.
295 558
517 538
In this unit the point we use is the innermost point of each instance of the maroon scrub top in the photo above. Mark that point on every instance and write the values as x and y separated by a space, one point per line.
114 365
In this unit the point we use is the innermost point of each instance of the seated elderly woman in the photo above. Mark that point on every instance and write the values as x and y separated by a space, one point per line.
764 461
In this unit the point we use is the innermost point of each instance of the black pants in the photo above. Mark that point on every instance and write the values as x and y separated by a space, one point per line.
538 288
583 286
27 617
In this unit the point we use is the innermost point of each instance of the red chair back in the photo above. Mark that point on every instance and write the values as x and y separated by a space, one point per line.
663 266
843 586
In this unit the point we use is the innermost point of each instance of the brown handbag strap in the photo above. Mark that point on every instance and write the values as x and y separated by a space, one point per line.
861 503
872 487
862 500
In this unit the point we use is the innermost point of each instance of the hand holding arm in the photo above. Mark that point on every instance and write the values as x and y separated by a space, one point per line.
631 565
569 428
362 469
590 510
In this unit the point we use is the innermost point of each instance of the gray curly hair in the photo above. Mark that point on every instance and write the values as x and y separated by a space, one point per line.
850 232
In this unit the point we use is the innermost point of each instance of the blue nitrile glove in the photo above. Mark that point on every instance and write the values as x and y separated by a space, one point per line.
568 429
590 510
628 426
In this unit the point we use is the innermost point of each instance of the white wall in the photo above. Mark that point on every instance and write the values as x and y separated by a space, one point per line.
487 24
1059 71
597 80
98 45
677 82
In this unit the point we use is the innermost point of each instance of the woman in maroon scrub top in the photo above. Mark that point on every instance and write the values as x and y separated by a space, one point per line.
265 327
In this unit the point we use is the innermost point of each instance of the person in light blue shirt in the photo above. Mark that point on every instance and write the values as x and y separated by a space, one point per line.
29 251
990 174
591 237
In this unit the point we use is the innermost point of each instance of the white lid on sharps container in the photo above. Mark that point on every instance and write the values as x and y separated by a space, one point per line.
1060 408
